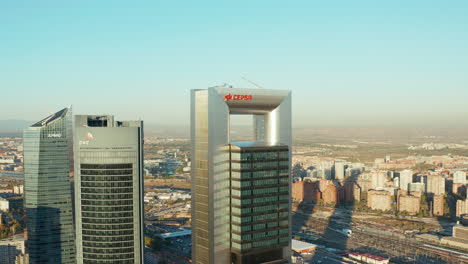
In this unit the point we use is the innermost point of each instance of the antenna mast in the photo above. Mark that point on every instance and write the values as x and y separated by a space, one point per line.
251 82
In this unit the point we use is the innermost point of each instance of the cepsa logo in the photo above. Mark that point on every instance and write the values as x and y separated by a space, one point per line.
229 97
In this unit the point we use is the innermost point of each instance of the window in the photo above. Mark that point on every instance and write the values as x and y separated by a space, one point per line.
264 243
264 174
265 182
265 217
245 210
235 210
265 199
247 237
283 214
236 228
246 228
240 175
272 224
265 190
258 226
264 208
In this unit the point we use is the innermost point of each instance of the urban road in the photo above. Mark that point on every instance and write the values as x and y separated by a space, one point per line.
400 250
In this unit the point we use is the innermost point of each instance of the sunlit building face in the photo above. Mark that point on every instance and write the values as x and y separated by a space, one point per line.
240 200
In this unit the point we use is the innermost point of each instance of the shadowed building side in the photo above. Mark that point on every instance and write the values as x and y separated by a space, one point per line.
48 202
259 202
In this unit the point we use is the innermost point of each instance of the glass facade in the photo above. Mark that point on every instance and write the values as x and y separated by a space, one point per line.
259 203
107 193
48 203
213 172
108 190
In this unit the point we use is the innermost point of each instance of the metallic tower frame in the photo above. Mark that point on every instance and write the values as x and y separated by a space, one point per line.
210 112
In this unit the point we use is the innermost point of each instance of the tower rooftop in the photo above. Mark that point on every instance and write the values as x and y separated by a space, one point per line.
51 118
256 144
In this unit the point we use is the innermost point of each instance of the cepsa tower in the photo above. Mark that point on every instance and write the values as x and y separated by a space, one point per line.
241 190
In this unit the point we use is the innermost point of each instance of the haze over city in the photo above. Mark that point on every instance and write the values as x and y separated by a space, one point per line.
208 132
359 63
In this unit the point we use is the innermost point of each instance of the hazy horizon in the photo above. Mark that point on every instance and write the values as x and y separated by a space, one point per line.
16 124
362 63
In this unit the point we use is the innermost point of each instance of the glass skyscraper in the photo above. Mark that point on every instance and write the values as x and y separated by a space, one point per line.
109 190
259 202
240 190
48 202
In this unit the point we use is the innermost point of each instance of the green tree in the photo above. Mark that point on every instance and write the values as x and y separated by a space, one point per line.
299 171
14 226
148 242
179 170
424 211
156 243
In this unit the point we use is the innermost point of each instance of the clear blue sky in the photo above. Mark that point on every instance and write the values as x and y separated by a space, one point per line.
347 62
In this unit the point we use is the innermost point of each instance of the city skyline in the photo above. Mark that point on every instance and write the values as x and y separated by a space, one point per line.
248 132
392 64
351 192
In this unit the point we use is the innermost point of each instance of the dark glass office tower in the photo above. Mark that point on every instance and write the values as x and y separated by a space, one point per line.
240 191
259 202
109 190
48 202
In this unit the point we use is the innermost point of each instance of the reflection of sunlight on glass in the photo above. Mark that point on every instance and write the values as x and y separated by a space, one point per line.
272 122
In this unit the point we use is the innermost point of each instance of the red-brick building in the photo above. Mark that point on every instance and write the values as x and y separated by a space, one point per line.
297 191
330 193
379 200
324 190
438 205
351 192
306 191
409 203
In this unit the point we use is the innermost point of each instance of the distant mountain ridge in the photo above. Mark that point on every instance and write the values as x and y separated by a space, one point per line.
14 125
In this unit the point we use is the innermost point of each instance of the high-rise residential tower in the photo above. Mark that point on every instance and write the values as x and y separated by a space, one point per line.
48 202
339 169
241 190
378 179
434 184
459 177
108 190
406 177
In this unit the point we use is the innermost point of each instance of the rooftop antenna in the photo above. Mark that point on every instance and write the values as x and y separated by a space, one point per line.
251 82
